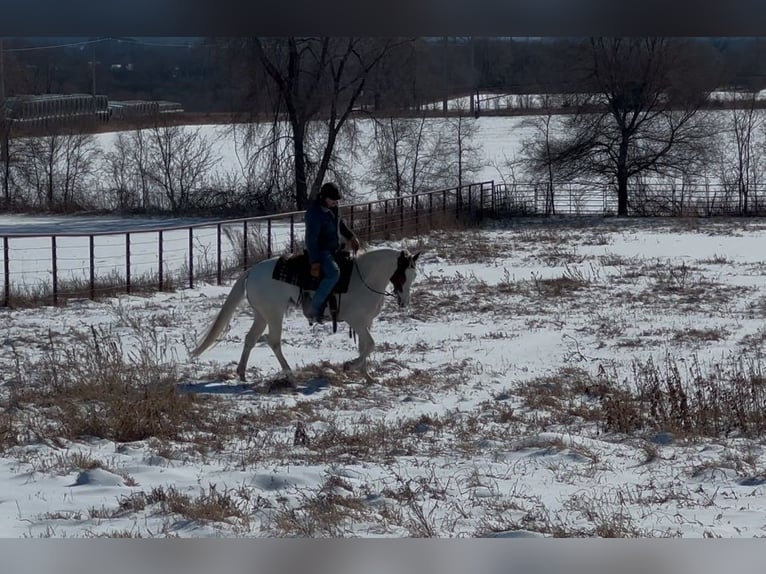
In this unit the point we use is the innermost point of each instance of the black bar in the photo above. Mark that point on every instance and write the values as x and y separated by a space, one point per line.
244 246
401 216
127 262
417 214
55 271
159 256
191 258
7 271
218 270
369 222
92 255
430 210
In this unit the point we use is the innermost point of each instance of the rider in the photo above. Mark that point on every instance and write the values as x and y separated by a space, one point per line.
323 230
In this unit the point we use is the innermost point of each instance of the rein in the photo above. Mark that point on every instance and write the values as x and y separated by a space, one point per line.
356 265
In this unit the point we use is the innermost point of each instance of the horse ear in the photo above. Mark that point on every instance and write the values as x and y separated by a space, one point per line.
415 257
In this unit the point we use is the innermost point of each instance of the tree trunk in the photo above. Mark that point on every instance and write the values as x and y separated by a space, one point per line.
622 178
6 159
301 186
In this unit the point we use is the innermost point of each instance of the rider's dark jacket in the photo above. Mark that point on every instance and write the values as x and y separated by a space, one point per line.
323 227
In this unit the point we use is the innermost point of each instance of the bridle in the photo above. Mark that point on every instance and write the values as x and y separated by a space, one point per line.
397 279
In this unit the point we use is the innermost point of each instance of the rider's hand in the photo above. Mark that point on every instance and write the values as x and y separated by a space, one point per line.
316 269
354 243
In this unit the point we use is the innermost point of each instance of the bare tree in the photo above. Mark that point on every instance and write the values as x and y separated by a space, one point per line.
8 153
403 156
746 125
127 169
642 115
317 80
178 160
118 172
79 156
461 152
538 156
262 153
56 168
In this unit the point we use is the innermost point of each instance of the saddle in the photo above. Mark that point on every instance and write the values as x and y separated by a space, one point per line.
295 269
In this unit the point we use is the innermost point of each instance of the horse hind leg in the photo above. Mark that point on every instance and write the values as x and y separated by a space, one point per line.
259 325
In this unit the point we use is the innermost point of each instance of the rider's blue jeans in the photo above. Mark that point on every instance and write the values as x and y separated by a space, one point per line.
330 276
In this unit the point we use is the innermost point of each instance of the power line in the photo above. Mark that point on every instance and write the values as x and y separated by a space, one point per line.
154 44
100 40
55 46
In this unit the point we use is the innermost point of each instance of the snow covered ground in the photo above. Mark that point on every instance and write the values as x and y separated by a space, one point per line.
503 406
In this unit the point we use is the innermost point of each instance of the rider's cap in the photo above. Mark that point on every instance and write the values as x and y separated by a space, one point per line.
330 191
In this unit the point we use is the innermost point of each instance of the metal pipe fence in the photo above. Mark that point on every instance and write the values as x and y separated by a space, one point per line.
643 201
55 267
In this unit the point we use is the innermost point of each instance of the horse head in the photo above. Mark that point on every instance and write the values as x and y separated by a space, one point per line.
404 276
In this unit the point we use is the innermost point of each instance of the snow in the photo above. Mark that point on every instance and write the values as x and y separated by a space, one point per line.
462 440
460 436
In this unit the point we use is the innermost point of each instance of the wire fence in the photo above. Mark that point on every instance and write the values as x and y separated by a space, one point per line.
52 268
643 200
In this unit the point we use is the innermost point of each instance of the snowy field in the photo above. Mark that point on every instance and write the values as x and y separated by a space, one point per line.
507 401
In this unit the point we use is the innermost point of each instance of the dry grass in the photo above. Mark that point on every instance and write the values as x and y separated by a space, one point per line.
87 387
92 386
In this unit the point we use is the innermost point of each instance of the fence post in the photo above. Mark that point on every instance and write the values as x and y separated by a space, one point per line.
191 258
430 210
55 271
159 256
7 271
92 257
417 214
127 262
292 233
268 238
220 263
401 216
369 222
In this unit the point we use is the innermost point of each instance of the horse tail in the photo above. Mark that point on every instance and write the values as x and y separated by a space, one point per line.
224 316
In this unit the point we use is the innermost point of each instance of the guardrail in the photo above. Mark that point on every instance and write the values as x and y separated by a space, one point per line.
54 267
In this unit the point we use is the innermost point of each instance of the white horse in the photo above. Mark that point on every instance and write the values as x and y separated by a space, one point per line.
270 298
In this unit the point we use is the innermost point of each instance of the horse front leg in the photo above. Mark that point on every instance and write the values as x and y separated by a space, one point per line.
274 340
366 346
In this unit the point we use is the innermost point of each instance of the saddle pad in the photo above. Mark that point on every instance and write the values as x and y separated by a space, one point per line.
295 270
